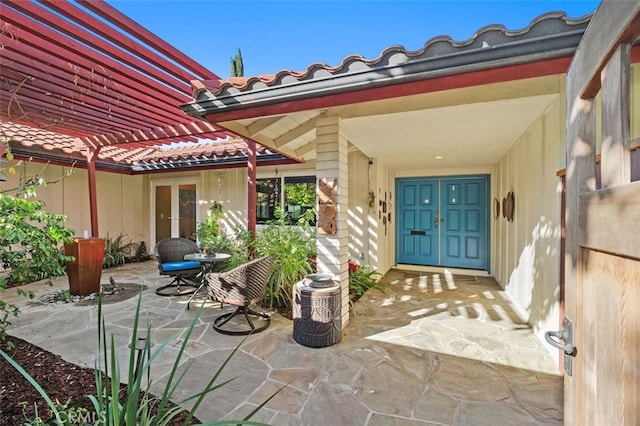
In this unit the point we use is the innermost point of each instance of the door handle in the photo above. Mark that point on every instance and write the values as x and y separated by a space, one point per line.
562 335
569 350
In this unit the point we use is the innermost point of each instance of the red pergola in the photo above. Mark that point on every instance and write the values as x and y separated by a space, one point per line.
86 70
93 77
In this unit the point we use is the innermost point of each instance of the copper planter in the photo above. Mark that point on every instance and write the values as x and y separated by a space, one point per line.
85 272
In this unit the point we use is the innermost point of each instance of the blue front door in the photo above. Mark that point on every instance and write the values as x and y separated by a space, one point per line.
443 221
417 209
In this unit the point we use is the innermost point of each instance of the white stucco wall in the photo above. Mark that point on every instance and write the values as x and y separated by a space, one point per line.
526 252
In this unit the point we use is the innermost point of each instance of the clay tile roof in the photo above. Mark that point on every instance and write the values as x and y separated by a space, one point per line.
545 26
44 145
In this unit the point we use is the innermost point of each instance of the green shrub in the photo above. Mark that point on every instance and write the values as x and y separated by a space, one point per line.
209 231
293 248
31 242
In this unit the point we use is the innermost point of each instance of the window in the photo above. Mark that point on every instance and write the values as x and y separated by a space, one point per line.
268 198
298 197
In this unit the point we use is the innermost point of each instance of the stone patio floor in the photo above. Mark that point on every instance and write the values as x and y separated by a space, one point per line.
435 349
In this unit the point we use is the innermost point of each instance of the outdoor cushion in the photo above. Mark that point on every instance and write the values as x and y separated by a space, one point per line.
180 266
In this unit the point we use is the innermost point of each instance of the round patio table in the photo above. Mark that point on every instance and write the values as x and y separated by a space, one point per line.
207 262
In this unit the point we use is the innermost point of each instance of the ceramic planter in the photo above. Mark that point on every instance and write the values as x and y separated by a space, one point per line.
85 272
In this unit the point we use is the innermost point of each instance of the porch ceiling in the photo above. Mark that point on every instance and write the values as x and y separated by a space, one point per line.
471 127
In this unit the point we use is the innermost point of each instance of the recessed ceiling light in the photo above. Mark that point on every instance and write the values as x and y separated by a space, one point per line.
438 157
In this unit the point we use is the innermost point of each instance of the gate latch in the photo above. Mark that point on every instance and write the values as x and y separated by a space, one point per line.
565 335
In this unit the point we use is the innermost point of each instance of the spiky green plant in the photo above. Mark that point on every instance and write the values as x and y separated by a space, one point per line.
116 249
364 278
139 407
237 66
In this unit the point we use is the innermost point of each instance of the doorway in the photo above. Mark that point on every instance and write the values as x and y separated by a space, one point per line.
443 221
174 206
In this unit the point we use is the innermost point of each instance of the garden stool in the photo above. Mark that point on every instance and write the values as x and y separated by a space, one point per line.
317 314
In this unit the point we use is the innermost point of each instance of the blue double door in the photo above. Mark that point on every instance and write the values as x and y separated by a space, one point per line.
443 221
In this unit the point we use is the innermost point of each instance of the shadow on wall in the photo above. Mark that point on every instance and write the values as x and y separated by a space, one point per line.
534 283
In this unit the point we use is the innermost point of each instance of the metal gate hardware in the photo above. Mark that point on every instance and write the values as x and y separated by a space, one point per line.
567 336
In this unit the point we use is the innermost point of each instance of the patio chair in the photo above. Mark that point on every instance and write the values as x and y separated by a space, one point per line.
169 254
242 287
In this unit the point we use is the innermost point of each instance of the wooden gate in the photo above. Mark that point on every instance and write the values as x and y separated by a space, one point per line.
602 257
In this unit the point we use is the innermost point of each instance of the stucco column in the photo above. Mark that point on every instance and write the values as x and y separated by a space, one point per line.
331 168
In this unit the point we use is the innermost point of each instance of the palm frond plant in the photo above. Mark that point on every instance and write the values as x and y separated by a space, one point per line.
362 279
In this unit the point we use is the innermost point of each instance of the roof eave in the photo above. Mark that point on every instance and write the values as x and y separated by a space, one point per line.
518 52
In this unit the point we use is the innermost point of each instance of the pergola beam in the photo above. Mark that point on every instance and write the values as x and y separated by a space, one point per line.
118 19
56 80
90 43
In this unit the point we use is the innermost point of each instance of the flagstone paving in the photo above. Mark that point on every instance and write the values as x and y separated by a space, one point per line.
433 349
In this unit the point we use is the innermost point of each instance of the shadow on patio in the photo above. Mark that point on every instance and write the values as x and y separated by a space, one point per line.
444 350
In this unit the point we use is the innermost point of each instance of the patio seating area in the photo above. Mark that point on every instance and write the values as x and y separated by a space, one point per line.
434 349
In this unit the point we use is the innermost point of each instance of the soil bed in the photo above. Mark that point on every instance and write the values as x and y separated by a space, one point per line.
62 380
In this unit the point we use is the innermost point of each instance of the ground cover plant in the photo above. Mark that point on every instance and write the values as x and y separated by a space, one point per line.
362 279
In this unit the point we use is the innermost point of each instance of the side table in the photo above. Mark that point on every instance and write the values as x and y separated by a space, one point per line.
317 315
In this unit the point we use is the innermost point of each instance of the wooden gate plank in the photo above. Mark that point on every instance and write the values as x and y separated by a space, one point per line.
615 166
611 218
609 27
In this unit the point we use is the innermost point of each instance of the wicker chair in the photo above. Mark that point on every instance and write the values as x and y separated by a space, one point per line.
169 254
242 286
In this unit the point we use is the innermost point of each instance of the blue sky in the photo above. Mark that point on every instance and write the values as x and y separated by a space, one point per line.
276 35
